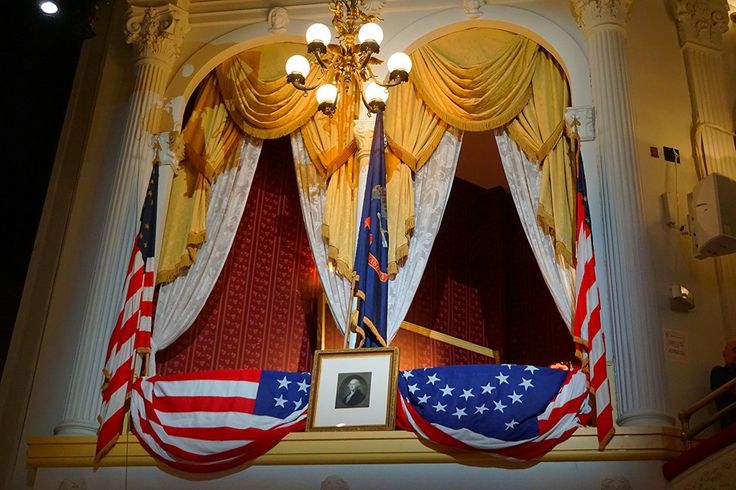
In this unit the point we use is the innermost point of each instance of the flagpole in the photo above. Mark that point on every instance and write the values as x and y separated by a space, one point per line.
348 323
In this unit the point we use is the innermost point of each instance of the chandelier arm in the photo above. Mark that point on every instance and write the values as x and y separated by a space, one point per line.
393 81
300 86
320 60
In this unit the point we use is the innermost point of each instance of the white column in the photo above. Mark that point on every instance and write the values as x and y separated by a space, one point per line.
700 27
156 33
636 339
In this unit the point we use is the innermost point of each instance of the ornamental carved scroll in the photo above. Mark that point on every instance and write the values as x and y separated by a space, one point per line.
157 32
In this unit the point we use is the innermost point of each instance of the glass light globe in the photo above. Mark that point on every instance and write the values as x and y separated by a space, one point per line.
370 32
49 8
326 93
297 64
373 91
399 61
319 32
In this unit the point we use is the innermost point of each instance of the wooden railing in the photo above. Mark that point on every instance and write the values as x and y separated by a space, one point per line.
688 433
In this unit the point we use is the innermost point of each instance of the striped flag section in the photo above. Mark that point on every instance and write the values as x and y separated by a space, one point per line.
586 325
132 331
517 412
213 421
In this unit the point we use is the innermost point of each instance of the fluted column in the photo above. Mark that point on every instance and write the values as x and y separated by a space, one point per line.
156 32
635 342
700 27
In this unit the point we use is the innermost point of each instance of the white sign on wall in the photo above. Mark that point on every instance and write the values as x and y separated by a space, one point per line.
675 345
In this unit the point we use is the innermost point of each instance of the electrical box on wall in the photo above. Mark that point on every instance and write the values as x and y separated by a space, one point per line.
712 216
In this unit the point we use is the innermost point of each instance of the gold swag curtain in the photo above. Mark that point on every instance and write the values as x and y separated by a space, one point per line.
210 141
506 80
248 93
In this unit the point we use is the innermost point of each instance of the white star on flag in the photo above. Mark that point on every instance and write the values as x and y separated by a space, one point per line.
283 383
531 369
488 388
526 383
439 407
515 398
280 401
423 399
413 388
467 394
459 412
502 378
511 425
407 374
303 386
481 409
432 379
499 406
506 365
297 404
447 391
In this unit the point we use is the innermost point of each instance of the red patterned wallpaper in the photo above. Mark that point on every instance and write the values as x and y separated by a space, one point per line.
262 312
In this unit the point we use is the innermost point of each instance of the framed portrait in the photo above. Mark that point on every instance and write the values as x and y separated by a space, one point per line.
353 389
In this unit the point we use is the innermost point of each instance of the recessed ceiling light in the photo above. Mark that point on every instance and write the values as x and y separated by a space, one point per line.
49 8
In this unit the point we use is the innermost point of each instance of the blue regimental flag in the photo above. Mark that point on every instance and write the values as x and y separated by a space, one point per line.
371 254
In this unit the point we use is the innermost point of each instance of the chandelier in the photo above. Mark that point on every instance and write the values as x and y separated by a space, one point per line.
348 61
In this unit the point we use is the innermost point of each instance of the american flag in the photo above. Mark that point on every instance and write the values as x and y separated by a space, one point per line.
132 332
586 325
371 254
213 421
514 411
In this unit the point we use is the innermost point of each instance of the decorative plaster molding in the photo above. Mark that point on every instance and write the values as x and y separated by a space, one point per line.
582 119
278 19
472 8
616 483
700 21
170 147
592 13
157 32
363 131
373 7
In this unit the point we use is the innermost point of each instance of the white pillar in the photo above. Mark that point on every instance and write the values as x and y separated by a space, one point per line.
156 33
701 32
636 338
700 26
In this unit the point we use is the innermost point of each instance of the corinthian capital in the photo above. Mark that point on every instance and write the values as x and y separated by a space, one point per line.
157 29
593 13
700 21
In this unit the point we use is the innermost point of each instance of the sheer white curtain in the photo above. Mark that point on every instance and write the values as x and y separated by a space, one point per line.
312 196
432 186
180 301
524 182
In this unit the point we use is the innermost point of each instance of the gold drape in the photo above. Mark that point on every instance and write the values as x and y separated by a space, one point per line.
263 108
331 146
539 132
506 80
210 140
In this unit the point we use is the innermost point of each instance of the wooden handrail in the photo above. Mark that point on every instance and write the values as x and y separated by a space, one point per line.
449 339
684 415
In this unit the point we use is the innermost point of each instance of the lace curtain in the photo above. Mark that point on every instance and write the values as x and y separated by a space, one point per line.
180 301
525 179
432 186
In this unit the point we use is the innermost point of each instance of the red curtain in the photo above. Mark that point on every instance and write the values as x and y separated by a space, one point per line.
262 312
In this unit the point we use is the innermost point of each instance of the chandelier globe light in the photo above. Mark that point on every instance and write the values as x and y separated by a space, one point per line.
348 61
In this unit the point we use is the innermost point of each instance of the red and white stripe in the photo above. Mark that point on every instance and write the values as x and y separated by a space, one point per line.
204 422
565 414
132 333
586 327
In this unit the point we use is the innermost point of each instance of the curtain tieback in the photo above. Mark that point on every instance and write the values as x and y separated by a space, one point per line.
550 142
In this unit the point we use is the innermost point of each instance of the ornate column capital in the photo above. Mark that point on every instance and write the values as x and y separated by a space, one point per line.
701 22
157 29
593 13
363 132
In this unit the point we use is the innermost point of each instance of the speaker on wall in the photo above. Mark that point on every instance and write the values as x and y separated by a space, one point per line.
712 216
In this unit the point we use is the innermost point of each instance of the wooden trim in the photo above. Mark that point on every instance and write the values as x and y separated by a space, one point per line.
449 339
378 447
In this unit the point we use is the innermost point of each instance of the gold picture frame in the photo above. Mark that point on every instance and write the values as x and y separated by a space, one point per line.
353 389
